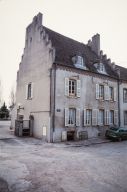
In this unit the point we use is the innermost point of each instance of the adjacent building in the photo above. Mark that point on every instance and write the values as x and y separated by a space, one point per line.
70 90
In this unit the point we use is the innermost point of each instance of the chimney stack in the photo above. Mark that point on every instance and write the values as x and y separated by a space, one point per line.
95 44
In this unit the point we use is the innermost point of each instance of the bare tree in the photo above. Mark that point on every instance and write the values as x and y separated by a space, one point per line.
12 97
0 93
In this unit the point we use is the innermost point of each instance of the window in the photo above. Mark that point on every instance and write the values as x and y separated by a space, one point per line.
111 117
101 117
78 61
101 92
88 116
72 87
125 117
100 68
111 93
72 116
29 91
125 95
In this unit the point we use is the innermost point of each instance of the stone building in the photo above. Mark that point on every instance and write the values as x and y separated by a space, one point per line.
70 89
122 82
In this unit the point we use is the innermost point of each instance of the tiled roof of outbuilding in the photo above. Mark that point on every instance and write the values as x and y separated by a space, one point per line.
66 48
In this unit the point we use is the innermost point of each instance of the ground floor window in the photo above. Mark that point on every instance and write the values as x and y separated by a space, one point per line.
111 117
101 117
125 117
72 116
88 116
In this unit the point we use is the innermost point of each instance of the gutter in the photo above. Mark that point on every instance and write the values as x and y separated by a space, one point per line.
54 96
119 102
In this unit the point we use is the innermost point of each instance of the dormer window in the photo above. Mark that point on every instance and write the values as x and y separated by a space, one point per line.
79 62
100 68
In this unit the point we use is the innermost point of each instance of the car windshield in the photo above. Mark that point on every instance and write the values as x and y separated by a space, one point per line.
114 128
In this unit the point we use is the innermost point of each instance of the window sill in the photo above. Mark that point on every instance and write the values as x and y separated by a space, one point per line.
71 126
101 100
73 97
112 101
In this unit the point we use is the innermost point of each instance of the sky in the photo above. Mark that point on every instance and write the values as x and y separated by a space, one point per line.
78 19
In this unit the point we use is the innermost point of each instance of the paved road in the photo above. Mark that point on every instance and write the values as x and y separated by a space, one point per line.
30 165
5 131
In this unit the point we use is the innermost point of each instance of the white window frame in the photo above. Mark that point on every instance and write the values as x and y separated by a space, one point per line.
72 117
124 95
111 117
101 118
111 93
101 94
72 87
80 61
101 68
88 117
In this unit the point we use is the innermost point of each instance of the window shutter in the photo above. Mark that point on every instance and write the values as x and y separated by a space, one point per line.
115 94
66 116
97 91
67 86
77 117
94 116
26 96
78 88
106 117
106 92
84 117
116 117
32 89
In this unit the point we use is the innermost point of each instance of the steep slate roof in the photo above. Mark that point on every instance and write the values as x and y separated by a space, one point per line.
66 48
123 72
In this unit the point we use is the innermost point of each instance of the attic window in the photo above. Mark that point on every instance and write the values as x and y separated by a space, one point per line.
100 68
78 61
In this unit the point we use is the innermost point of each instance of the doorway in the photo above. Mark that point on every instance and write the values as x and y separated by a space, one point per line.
70 135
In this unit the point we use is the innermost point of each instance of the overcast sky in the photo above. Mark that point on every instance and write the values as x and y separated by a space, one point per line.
78 19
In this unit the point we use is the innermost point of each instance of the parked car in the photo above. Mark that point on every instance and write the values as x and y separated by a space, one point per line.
116 133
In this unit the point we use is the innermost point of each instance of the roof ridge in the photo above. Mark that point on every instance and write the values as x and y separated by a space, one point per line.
64 36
